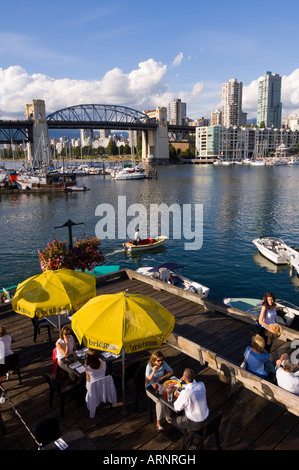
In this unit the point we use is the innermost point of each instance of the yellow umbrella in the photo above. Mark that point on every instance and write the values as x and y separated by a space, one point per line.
124 323
129 321
51 292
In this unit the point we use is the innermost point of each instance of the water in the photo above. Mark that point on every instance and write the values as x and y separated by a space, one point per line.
240 203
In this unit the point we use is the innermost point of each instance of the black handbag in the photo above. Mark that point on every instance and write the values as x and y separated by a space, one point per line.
257 328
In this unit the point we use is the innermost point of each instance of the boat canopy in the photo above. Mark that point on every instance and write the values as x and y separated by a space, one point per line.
170 266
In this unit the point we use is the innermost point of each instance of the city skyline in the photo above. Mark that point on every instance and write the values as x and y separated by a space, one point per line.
144 56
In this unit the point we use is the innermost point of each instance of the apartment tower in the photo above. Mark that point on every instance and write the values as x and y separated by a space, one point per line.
177 112
232 114
269 101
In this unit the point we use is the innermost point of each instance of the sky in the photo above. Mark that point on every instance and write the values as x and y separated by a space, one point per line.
145 54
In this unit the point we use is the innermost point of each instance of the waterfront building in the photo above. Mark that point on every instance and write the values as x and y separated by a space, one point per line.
269 101
177 112
236 143
201 122
216 118
291 122
232 114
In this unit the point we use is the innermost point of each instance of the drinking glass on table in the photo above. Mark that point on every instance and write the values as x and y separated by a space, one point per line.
169 394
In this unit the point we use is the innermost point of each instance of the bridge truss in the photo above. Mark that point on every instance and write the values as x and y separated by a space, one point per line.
99 116
15 132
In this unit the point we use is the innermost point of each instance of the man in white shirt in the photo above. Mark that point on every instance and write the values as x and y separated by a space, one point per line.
286 377
194 403
137 237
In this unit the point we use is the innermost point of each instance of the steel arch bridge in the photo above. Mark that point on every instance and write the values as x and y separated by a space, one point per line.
99 116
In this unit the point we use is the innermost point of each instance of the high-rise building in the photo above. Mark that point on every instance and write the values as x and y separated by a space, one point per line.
232 114
216 118
269 101
177 112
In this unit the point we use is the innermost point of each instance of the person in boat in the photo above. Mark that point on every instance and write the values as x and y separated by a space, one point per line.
137 239
157 370
287 374
193 401
267 317
258 359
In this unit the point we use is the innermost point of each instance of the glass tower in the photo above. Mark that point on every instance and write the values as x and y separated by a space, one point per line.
269 101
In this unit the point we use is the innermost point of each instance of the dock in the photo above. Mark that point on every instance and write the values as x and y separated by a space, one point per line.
208 336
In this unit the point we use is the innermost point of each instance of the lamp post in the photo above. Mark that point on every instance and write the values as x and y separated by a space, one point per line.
69 223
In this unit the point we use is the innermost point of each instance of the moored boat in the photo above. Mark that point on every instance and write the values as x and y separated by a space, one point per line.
275 249
145 244
81 187
130 174
50 180
286 312
169 272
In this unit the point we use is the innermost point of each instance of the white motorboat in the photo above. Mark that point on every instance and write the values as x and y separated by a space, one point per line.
170 270
130 174
286 312
258 163
275 249
76 187
294 161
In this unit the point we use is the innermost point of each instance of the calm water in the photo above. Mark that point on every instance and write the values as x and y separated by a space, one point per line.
240 203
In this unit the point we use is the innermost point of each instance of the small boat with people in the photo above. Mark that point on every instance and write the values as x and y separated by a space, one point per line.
144 244
276 250
170 273
286 311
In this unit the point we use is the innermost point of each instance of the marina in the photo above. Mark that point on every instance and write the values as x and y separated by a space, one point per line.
240 203
209 337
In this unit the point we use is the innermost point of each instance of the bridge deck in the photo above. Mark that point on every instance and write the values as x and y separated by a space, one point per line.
249 420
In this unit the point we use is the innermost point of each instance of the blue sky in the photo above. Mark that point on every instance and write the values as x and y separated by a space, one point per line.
145 54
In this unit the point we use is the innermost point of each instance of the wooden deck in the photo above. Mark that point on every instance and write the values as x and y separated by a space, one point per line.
250 421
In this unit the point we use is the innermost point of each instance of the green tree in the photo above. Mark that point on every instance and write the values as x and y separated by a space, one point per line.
111 148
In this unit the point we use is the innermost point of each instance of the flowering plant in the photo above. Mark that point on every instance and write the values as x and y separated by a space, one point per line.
84 255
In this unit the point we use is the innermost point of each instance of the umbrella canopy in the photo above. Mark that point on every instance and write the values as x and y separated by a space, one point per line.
129 321
51 292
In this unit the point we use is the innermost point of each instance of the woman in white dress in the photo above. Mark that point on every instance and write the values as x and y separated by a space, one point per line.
95 368
267 317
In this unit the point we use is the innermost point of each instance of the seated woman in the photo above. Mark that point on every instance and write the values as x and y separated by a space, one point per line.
258 359
95 368
158 370
5 346
66 347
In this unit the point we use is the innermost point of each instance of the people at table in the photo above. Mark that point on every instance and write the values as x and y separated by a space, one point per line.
95 368
258 359
66 346
5 343
157 370
287 374
267 317
192 400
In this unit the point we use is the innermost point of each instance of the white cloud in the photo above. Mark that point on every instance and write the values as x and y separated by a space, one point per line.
177 61
145 87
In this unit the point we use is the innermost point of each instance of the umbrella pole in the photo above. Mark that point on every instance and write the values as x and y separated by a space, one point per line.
123 381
